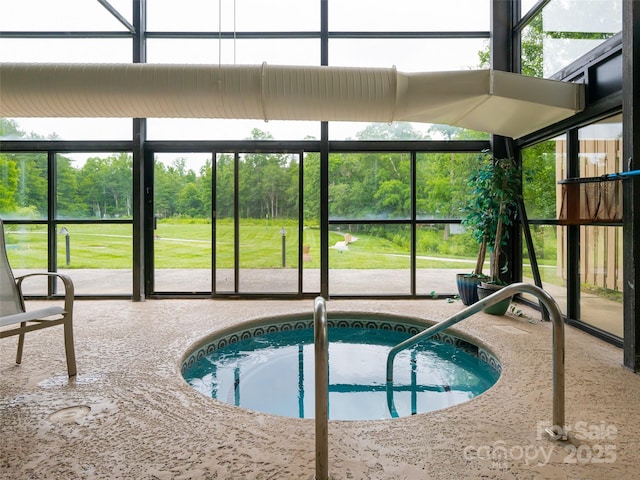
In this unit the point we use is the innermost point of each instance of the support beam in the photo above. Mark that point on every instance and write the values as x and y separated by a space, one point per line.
502 21
142 210
573 235
501 48
631 157
324 162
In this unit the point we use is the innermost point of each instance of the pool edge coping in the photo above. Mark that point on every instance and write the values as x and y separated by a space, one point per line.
201 347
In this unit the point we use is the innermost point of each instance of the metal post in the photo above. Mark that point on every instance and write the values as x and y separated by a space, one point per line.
67 243
631 188
283 232
322 388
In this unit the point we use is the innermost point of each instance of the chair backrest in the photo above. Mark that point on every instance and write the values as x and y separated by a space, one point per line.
10 298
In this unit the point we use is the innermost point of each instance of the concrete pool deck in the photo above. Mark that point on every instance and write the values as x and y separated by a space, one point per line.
130 415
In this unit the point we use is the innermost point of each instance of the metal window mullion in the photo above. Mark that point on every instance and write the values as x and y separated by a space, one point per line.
52 206
324 210
143 177
631 189
573 234
324 161
143 194
523 21
300 221
140 31
236 222
413 286
214 220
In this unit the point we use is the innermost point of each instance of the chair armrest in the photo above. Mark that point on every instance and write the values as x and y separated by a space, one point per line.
69 289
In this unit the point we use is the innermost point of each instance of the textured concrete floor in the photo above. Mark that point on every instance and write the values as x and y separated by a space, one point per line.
130 415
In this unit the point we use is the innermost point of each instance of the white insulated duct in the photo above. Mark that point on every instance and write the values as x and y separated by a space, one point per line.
486 100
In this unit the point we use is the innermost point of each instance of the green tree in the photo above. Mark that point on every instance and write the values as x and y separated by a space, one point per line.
265 182
33 187
390 131
347 190
70 202
8 184
395 195
204 184
106 184
538 180
448 132
532 50
169 180
370 185
291 187
190 201
441 184
268 183
532 56
224 186
311 188
9 129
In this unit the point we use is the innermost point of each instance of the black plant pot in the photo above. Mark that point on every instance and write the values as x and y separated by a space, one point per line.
467 287
499 308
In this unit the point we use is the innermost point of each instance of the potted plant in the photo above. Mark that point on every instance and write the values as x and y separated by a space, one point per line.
488 215
467 284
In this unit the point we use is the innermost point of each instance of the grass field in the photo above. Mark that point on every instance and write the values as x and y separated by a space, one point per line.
189 245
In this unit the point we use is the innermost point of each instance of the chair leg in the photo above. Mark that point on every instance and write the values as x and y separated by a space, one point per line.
69 348
20 345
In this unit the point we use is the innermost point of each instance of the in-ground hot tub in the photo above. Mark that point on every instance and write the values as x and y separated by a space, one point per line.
268 366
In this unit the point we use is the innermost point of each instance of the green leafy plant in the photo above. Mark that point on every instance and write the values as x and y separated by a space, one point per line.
492 209
520 314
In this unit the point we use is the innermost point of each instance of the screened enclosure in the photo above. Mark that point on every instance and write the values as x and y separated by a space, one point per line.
229 207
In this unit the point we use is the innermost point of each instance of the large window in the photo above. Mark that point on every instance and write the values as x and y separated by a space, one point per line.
62 16
598 250
370 258
394 222
75 218
565 30
542 165
65 19
601 285
229 15
439 54
393 212
409 15
182 222
23 178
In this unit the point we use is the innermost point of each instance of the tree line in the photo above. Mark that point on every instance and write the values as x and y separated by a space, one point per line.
366 185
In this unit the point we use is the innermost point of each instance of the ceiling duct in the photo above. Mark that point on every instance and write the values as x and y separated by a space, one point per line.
487 100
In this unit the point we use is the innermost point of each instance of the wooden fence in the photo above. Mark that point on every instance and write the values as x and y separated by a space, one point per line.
600 246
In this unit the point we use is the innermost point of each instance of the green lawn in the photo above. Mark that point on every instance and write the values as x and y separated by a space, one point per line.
188 245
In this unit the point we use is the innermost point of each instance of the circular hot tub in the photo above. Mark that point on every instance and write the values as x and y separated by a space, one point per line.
269 367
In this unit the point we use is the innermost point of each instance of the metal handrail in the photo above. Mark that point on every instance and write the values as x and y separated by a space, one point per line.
557 431
321 342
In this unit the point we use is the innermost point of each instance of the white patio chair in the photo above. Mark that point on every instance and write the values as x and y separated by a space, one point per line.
16 320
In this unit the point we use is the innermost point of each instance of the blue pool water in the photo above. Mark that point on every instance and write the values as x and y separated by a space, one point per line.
274 373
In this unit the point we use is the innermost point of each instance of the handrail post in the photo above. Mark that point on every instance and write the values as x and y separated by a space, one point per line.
557 431
321 343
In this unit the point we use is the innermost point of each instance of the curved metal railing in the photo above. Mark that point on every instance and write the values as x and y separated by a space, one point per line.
320 336
557 431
